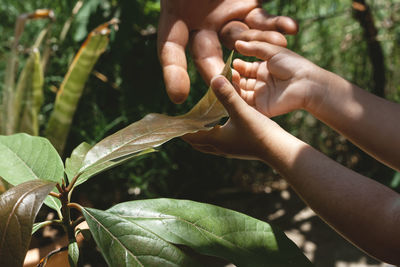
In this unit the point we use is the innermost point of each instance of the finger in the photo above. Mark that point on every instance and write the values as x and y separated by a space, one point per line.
246 69
261 50
272 37
259 19
235 77
248 84
231 32
207 53
236 30
248 96
228 96
172 39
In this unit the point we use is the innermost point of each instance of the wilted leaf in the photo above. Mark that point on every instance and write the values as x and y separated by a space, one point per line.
215 231
155 129
19 207
24 158
125 243
72 87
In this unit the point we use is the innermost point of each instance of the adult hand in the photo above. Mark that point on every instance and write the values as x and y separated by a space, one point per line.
203 20
282 82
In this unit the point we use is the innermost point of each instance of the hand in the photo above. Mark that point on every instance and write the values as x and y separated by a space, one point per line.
283 82
246 134
203 20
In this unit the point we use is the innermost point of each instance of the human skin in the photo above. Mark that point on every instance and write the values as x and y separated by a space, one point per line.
198 23
362 210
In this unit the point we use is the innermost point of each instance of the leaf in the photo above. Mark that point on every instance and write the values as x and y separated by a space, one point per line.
19 207
37 226
155 129
29 96
72 86
395 181
7 108
213 230
73 253
24 158
124 243
108 165
74 163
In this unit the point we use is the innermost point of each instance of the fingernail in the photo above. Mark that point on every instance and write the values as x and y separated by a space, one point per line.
218 82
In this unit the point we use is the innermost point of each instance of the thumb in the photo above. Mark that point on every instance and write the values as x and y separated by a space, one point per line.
228 96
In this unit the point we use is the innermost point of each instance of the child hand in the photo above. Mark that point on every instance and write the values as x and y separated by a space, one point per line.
245 135
283 82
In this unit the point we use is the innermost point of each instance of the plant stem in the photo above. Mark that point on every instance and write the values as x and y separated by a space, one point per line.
44 260
71 185
55 195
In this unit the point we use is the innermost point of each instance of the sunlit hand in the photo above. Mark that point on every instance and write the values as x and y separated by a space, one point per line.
282 82
203 20
246 133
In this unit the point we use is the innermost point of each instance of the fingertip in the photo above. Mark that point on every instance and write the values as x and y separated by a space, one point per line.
287 25
240 43
218 82
177 83
275 38
231 32
235 76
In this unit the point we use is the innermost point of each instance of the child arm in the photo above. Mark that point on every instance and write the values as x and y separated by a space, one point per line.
362 210
288 82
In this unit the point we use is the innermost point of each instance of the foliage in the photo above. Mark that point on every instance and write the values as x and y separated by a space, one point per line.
19 207
31 160
139 233
21 103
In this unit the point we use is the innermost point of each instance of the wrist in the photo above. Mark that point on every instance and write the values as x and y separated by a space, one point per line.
279 148
320 82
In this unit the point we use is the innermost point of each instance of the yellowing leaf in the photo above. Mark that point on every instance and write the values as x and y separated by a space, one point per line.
155 129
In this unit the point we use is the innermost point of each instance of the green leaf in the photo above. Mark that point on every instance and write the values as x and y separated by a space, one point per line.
72 86
7 107
29 96
73 253
37 226
125 243
395 181
155 129
19 207
213 230
74 163
24 158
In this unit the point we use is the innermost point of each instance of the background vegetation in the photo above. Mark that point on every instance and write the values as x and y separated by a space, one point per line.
127 84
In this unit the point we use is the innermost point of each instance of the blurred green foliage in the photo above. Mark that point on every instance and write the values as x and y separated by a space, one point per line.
131 86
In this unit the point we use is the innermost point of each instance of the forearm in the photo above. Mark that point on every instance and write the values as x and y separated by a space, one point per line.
370 122
362 210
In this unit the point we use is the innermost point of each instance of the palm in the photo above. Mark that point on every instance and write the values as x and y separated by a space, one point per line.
274 87
203 21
